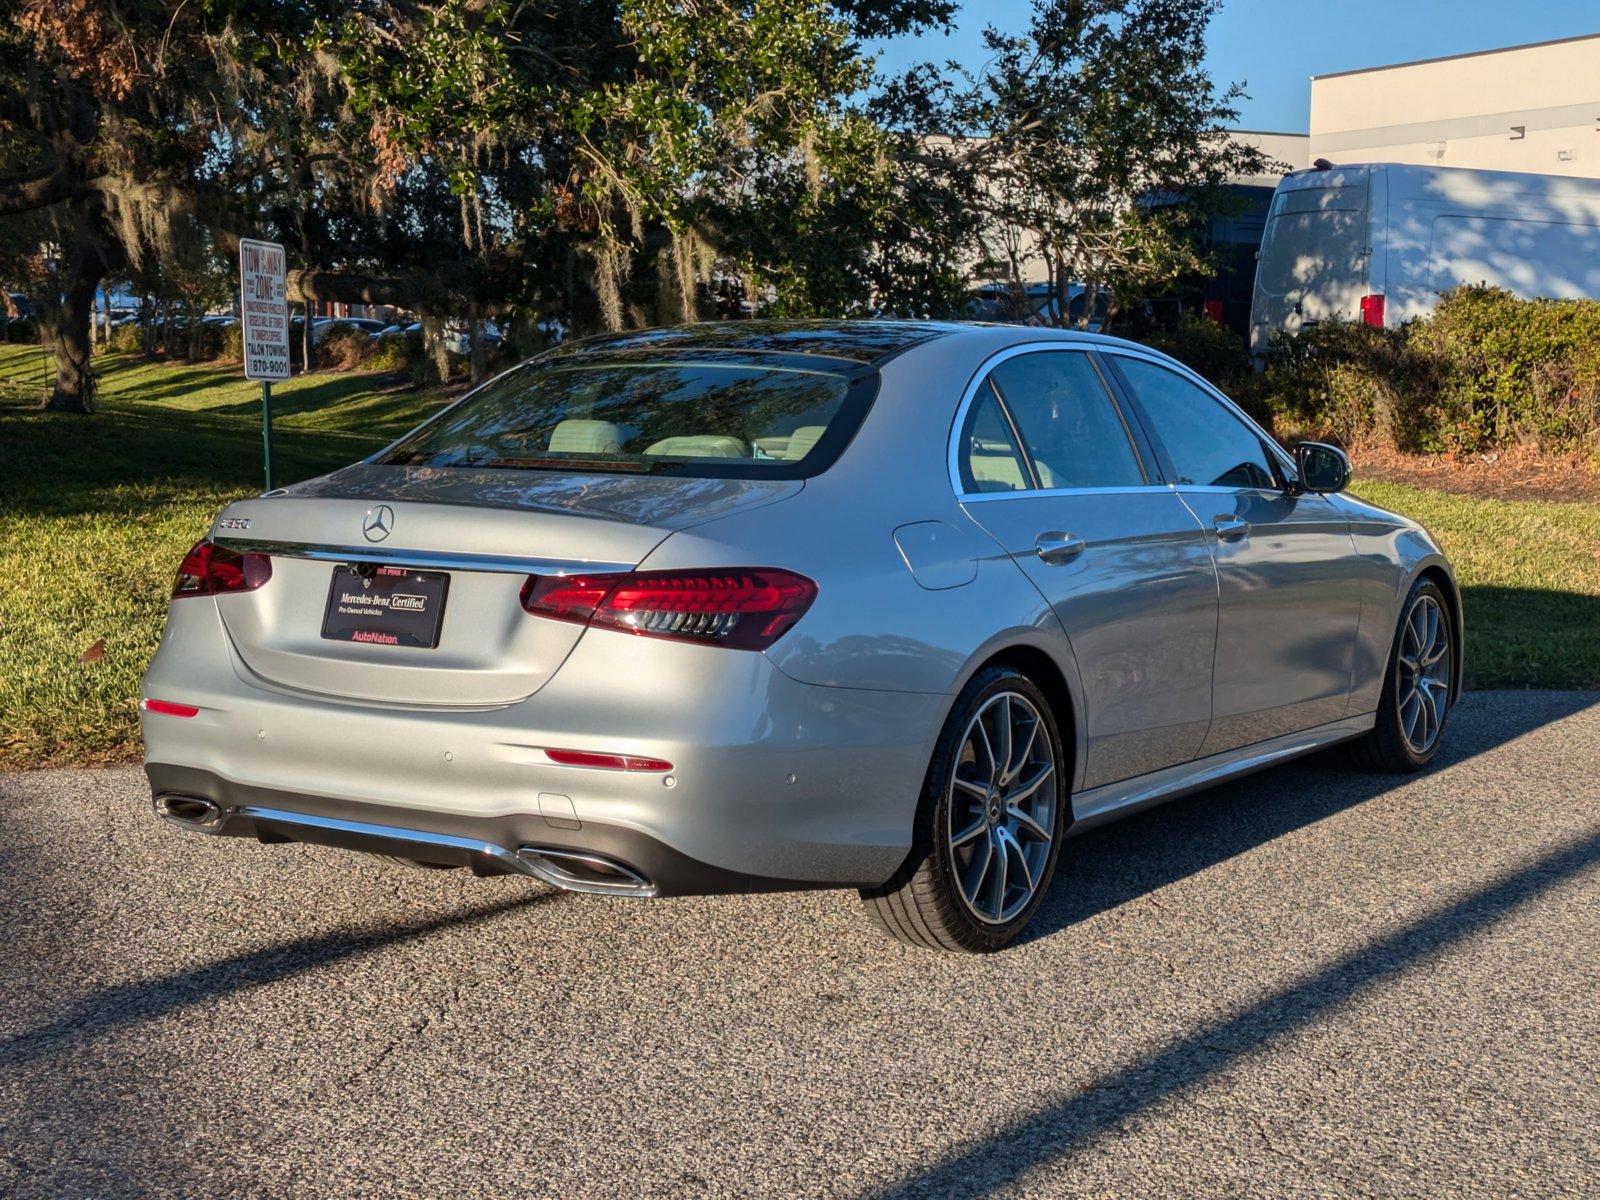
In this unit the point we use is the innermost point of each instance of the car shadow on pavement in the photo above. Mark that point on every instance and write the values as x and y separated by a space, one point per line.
1159 850
112 1008
1122 861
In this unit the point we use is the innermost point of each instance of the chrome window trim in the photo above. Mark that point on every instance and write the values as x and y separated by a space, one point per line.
1131 489
975 385
425 559
1285 460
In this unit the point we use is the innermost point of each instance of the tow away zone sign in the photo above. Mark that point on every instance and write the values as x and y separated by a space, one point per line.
264 305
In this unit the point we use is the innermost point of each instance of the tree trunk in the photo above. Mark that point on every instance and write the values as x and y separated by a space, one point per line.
68 340
436 359
475 345
64 326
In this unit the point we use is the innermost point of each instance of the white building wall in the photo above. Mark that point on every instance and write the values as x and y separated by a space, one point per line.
1525 108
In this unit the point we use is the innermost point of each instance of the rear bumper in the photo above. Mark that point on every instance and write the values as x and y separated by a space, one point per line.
774 783
600 859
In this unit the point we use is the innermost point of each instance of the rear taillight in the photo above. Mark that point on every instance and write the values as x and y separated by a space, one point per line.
742 607
607 762
210 570
168 708
1372 311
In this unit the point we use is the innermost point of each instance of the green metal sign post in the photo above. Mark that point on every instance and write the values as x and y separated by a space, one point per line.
266 431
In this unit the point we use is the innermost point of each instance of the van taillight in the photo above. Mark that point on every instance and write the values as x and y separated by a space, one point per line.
744 608
211 570
1372 311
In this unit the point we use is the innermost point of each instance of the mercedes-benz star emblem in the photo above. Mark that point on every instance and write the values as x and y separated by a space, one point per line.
379 522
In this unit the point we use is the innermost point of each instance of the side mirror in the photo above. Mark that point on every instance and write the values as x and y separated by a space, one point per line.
1322 468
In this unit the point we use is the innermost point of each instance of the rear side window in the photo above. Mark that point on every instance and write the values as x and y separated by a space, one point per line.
747 416
1207 445
990 459
1070 427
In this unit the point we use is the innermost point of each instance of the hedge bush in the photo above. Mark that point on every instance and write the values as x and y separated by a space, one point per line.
1485 370
128 339
1508 370
343 347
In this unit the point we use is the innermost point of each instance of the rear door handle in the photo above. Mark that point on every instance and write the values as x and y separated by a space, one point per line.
1055 546
1229 527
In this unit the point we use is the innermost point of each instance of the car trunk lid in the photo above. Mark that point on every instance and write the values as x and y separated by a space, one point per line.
487 530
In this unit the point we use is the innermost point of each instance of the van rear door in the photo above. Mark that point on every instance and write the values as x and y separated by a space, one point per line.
1315 253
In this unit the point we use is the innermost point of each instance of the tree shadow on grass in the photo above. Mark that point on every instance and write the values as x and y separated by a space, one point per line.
1531 637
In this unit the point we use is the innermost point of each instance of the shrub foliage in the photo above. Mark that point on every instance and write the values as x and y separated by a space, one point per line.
1486 370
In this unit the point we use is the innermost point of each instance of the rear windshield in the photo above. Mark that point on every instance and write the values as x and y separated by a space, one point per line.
747 415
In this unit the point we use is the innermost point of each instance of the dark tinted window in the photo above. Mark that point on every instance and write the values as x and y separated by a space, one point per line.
988 453
1068 422
688 417
1207 444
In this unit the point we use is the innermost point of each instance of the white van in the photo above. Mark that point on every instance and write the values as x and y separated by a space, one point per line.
1379 242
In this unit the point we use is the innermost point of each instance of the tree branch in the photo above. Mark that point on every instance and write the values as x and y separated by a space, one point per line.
41 189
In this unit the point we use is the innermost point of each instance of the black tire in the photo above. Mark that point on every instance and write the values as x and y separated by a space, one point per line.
1387 748
923 905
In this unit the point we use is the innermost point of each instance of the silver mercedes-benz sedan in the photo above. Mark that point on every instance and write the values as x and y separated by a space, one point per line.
887 605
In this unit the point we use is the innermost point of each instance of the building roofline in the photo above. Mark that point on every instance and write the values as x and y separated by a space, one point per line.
1272 132
1421 62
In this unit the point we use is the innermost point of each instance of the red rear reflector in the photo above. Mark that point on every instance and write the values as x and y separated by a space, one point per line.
169 708
1372 311
610 762
746 608
211 570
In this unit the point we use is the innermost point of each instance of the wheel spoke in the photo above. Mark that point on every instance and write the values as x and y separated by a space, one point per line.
1025 821
1021 760
978 870
1023 790
1410 713
988 748
1003 750
970 832
1010 845
972 789
1001 874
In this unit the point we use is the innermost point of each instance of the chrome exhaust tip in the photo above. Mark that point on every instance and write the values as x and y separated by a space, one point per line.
189 812
581 871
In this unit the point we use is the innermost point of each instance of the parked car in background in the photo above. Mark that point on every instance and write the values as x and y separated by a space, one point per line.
399 329
899 606
1379 242
322 326
457 336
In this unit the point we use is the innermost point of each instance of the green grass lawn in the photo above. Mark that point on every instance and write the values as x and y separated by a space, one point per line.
1530 582
95 513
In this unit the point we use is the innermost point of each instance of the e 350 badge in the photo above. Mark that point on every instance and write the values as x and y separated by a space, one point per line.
233 523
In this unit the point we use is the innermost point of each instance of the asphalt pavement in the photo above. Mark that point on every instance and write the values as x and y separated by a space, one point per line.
1314 982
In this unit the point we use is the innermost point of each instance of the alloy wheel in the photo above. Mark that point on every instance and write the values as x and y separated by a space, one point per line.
1002 808
1422 680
